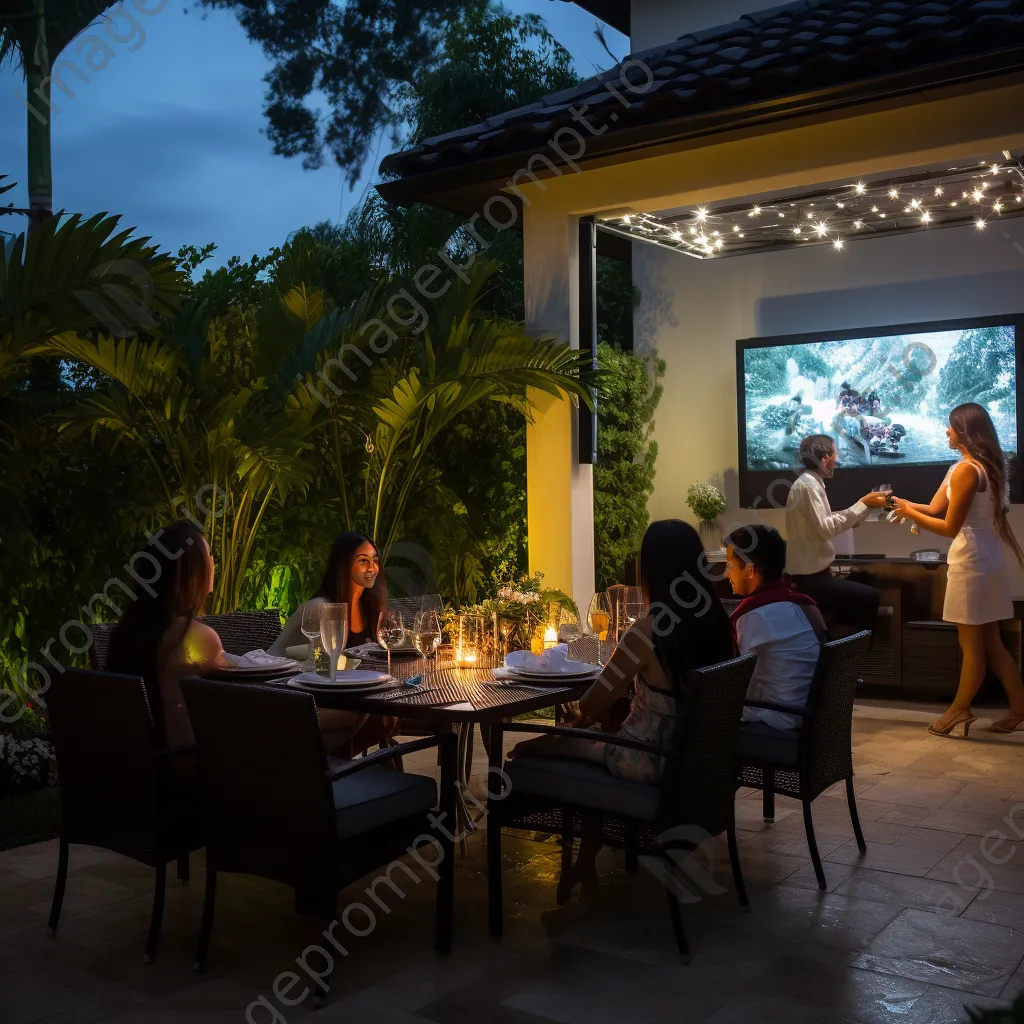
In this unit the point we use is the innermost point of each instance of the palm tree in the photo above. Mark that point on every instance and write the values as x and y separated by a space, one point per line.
33 33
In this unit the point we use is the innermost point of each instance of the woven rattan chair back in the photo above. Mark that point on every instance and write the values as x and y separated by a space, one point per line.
241 632
826 738
269 805
700 784
105 742
99 650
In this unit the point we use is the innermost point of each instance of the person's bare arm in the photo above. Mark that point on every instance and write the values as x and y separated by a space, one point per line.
963 484
936 507
631 656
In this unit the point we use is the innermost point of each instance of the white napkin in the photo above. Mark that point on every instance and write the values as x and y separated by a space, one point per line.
366 650
553 660
258 659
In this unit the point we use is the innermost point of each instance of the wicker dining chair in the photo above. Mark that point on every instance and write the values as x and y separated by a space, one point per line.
818 754
118 789
239 632
574 798
276 809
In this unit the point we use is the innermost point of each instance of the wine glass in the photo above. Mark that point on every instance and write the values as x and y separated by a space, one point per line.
632 605
334 632
426 633
600 615
390 632
311 630
569 628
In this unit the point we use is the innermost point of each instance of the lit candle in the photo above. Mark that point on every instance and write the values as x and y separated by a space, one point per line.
550 638
466 658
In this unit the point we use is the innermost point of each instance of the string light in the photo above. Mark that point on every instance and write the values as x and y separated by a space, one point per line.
821 217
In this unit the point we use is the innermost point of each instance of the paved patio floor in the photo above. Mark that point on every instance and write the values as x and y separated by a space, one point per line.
930 919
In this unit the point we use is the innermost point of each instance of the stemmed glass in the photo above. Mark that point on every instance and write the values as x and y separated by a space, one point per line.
390 632
311 630
569 628
632 605
334 632
426 633
600 615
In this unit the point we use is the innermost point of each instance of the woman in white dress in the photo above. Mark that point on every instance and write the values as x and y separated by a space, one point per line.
971 507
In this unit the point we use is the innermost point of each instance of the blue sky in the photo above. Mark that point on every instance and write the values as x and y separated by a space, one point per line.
168 134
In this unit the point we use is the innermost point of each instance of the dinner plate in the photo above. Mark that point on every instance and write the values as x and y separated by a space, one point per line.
368 688
571 669
514 675
250 674
344 679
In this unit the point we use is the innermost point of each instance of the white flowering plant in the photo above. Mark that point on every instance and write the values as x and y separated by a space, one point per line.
25 763
706 501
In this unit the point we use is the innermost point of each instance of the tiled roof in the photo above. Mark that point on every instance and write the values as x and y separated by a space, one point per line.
765 57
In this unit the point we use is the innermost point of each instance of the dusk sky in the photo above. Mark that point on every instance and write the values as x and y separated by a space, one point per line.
168 134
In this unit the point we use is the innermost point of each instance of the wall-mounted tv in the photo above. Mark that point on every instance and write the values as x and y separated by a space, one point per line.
884 394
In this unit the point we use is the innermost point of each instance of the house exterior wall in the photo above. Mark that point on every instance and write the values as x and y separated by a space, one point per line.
659 21
694 311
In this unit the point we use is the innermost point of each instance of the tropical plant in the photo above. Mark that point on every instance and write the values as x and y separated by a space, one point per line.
33 34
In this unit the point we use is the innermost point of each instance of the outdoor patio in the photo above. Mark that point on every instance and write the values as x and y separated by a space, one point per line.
923 924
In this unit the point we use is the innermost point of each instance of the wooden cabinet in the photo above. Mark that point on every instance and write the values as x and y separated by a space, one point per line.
931 659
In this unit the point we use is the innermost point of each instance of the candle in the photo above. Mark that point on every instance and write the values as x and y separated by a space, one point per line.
466 658
550 638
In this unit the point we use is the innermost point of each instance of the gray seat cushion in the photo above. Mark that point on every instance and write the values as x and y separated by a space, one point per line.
760 742
379 796
584 783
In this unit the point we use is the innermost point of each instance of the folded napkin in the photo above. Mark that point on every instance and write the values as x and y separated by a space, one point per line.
554 660
368 650
258 659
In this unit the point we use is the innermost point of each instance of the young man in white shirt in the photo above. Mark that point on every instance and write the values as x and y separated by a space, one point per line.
811 525
780 625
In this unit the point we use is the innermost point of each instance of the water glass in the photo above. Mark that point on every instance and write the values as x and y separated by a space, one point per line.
391 632
426 633
311 631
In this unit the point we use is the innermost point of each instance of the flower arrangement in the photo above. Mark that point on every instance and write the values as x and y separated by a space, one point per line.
24 763
706 501
519 604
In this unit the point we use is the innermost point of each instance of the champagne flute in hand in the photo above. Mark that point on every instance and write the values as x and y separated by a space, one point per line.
426 633
334 632
390 632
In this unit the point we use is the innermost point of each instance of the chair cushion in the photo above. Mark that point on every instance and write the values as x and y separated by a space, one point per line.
379 796
760 742
584 783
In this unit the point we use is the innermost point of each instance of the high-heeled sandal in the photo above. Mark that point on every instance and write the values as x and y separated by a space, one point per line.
964 718
1011 723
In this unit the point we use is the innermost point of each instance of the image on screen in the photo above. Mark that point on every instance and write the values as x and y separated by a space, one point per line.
882 399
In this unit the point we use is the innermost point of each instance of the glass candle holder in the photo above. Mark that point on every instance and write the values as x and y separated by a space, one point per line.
468 641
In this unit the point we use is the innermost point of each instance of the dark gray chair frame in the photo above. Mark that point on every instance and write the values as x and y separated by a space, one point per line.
116 786
239 632
253 808
825 743
697 789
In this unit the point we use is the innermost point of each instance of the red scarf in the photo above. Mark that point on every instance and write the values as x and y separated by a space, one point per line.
772 592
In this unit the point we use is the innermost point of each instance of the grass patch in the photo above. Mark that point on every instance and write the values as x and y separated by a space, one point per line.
29 817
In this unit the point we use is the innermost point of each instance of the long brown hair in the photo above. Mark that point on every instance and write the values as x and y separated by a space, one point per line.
177 586
337 582
976 432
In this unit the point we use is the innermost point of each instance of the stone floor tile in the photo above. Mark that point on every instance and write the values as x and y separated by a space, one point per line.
971 956
835 875
1014 987
904 860
1004 908
974 863
907 891
912 793
908 816
969 822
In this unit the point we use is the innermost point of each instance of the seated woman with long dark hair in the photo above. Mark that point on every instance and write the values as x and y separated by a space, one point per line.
159 636
684 626
352 576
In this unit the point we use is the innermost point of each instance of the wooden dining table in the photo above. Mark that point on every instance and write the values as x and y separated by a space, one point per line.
450 698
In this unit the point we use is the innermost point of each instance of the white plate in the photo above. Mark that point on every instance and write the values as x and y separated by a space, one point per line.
513 675
567 671
343 679
354 690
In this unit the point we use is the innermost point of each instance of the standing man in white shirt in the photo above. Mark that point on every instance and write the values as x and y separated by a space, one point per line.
811 525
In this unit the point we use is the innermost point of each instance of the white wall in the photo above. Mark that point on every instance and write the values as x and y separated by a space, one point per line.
652 22
694 311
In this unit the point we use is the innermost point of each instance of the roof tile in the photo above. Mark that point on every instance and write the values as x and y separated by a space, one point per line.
766 55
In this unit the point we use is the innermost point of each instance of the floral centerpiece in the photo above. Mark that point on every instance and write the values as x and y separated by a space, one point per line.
707 503
520 603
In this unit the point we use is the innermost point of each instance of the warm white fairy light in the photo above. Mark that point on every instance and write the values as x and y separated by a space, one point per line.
874 209
821 228
782 216
702 214
838 243
861 188
796 231
841 206
939 190
677 236
626 220
755 212
978 195
858 224
915 203
926 217
979 224
954 203
735 227
998 207
894 193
